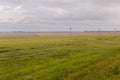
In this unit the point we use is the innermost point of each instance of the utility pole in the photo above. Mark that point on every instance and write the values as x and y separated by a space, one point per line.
70 33
99 30
115 31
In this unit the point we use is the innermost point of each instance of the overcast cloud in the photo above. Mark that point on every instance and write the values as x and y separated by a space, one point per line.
58 15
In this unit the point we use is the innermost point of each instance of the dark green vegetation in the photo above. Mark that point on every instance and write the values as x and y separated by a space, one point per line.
58 58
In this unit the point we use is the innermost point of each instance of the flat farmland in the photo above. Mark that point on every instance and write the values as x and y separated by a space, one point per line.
54 56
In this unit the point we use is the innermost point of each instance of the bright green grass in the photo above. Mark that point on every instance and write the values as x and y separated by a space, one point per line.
58 58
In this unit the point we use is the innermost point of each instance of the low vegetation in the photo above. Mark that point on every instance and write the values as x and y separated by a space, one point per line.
84 57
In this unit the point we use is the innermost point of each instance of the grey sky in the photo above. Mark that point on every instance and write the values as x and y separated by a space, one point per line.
58 15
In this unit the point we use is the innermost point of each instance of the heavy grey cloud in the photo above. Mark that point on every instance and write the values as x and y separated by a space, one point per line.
46 15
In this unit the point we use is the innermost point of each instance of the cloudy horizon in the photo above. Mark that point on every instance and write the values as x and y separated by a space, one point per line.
59 15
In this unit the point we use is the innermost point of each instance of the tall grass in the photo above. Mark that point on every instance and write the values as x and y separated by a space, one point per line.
58 58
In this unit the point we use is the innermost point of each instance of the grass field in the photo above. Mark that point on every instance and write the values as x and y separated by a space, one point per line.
84 57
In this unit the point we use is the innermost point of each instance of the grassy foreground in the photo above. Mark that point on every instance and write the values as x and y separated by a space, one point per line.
59 58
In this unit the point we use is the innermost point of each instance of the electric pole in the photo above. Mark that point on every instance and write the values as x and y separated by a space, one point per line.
70 32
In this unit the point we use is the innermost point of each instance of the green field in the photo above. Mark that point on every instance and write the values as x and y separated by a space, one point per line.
84 57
